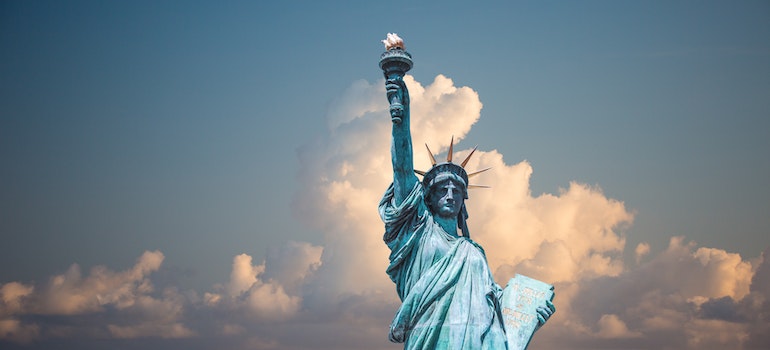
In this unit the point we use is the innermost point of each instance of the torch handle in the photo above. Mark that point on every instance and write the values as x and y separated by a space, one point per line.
397 96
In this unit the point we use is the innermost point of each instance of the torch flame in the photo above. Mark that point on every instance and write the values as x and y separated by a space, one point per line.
393 41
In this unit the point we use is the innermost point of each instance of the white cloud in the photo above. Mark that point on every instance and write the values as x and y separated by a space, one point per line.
243 275
12 296
153 317
270 300
291 264
126 294
70 293
701 272
13 301
694 297
270 290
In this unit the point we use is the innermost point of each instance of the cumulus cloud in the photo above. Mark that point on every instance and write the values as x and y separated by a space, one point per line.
70 293
574 234
292 263
694 297
126 294
126 305
13 297
270 290
243 275
154 317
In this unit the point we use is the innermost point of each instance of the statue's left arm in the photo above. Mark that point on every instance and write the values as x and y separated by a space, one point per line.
544 313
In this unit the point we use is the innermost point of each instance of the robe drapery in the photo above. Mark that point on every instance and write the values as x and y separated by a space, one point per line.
449 297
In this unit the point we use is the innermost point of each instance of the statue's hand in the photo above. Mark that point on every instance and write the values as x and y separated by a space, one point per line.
544 313
398 97
396 86
392 87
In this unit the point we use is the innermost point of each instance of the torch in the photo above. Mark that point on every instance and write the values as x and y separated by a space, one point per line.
395 62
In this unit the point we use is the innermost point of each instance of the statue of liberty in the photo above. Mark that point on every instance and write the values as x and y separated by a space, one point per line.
449 297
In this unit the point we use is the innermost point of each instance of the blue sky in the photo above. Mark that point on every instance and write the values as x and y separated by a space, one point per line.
180 126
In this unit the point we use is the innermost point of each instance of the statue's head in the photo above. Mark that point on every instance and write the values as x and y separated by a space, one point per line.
446 189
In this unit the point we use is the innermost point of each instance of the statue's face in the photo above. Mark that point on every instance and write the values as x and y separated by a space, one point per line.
446 198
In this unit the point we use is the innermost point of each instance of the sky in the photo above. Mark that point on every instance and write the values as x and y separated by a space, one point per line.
206 174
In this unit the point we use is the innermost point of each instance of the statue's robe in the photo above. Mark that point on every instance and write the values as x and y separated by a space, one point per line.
449 297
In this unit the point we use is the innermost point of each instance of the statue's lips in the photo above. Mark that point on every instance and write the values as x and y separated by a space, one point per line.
448 207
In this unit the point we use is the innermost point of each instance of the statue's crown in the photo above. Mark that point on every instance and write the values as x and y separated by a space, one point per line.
440 171
448 169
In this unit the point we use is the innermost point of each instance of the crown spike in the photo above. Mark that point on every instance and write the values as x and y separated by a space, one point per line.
432 159
478 172
451 147
469 156
470 187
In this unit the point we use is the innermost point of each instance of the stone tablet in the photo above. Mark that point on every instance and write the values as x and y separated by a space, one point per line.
521 298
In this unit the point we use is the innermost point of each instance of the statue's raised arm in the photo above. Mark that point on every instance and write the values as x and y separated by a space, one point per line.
395 62
401 143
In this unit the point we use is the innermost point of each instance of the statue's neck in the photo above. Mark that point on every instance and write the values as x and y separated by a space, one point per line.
448 224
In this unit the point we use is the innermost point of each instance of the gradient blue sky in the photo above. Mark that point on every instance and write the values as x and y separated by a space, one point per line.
143 125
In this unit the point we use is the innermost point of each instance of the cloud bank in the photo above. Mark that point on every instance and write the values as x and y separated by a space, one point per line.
337 295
